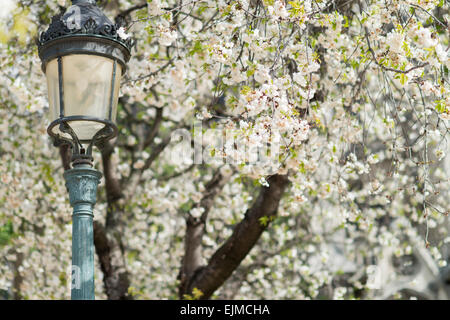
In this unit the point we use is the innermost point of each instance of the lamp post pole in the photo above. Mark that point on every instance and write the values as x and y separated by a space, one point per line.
83 53
81 182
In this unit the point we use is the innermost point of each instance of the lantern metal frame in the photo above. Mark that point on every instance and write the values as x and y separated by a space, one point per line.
94 34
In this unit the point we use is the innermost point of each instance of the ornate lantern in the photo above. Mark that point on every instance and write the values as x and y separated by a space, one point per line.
83 57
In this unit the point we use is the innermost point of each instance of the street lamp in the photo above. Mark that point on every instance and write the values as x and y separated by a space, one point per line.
83 57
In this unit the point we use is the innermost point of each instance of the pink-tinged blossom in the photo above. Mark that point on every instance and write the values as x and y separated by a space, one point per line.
166 36
121 32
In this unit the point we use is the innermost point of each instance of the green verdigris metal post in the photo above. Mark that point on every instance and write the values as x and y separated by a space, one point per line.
82 182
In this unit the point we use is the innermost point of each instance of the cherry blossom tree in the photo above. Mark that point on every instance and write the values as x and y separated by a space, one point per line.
267 149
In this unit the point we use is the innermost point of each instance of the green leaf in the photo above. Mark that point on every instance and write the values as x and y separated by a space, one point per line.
403 79
440 106
196 48
264 221
245 90
142 14
6 233
346 24
196 295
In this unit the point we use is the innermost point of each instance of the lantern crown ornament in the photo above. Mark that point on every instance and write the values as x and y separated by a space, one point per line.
83 55
83 18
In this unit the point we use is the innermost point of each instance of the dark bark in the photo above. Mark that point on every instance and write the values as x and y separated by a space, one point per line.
112 184
153 130
195 229
18 279
227 258
107 239
66 154
192 252
126 13
110 255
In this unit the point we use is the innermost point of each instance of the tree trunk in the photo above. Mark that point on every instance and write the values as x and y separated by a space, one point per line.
227 258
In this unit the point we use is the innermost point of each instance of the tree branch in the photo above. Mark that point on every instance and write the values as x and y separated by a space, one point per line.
245 235
387 68
107 239
195 229
125 13
154 128
112 183
115 275
66 155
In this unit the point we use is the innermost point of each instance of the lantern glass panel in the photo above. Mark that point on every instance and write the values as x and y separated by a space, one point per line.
87 91
53 88
116 92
